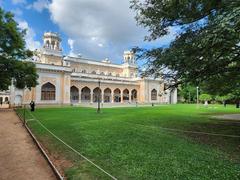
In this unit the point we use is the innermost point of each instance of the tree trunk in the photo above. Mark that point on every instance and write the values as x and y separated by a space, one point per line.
237 103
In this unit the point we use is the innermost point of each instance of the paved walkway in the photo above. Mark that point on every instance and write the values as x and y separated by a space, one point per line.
20 159
228 116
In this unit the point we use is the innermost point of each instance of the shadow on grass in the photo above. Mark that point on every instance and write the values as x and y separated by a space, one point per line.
229 145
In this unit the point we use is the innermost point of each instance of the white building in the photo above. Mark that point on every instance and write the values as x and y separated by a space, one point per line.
77 80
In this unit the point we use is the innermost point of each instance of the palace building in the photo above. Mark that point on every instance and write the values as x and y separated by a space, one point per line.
77 80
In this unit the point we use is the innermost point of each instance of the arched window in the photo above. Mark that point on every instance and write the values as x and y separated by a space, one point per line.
74 94
48 92
126 95
154 95
84 71
102 73
110 74
6 99
117 95
85 94
134 95
97 95
94 72
107 95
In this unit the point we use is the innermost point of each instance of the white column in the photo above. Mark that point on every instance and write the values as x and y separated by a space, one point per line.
102 97
121 96
130 98
91 97
80 96
112 96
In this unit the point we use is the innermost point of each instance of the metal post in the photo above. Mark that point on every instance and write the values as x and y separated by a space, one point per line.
98 109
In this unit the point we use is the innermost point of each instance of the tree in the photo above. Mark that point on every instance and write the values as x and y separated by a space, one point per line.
205 51
12 52
188 92
205 98
223 99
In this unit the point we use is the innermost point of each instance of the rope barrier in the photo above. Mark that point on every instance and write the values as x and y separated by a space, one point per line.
186 131
74 150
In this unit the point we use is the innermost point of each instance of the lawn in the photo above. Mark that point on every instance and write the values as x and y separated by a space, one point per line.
130 143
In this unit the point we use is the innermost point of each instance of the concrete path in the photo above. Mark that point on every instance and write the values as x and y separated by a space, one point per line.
228 116
20 159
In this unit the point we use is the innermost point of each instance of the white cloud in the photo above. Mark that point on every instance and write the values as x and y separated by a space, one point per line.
71 44
100 28
100 44
30 35
17 12
19 2
39 5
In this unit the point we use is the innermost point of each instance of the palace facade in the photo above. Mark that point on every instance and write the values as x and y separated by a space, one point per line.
77 80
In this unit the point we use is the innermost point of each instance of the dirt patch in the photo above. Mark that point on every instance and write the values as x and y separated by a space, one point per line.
19 157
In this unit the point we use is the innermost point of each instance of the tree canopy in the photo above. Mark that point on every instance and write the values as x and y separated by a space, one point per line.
12 52
205 97
206 50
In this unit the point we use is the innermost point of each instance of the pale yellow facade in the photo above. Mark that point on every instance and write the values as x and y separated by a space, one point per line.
77 80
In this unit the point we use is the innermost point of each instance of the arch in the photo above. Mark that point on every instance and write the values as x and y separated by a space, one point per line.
85 94
6 99
48 92
154 95
117 95
1 99
125 95
47 43
102 73
97 94
84 71
94 72
18 100
74 94
134 95
107 95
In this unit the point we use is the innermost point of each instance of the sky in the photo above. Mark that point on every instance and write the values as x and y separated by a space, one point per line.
96 29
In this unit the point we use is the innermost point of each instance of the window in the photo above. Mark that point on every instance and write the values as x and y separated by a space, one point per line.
48 92
84 71
154 95
94 72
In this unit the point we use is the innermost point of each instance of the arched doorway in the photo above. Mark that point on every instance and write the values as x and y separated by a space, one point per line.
117 95
97 94
48 92
107 95
134 95
126 95
74 94
6 99
154 95
85 94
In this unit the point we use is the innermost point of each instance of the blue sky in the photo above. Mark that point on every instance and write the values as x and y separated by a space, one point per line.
96 29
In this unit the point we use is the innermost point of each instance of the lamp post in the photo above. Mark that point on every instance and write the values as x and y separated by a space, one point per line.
197 95
98 109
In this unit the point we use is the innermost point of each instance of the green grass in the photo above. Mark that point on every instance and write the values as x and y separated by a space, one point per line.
130 143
